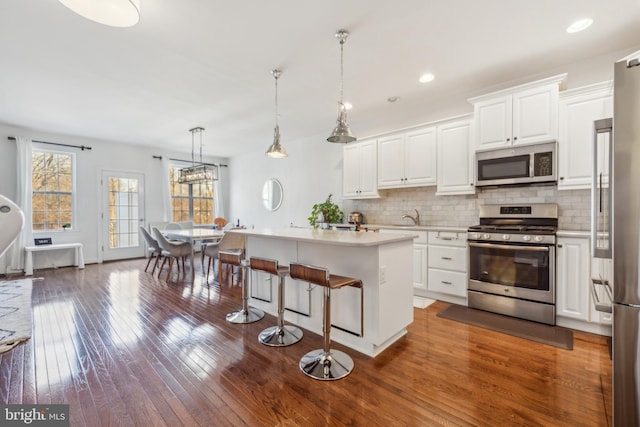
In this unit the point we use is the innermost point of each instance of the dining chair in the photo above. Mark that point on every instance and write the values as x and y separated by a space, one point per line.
228 241
173 251
153 248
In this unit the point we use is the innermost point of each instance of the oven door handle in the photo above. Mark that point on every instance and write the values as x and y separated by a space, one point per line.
509 247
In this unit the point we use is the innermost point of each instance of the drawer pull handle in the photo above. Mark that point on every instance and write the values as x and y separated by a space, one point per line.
446 283
446 258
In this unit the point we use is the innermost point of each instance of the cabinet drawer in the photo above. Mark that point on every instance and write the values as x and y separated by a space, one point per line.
448 238
447 282
448 258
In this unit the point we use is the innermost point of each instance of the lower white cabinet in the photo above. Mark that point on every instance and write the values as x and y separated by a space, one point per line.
447 264
575 307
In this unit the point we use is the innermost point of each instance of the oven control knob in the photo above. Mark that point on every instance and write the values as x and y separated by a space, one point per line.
486 236
538 238
526 238
506 237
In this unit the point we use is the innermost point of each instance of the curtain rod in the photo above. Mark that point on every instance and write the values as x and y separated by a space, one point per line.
82 147
190 161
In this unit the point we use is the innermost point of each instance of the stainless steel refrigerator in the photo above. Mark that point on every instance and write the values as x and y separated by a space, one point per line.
626 242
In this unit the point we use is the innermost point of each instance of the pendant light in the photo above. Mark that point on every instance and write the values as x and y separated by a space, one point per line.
341 133
202 172
114 13
276 151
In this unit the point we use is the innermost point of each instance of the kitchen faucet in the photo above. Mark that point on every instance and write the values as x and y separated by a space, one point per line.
415 220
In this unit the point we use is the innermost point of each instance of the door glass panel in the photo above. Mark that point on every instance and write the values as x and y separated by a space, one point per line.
123 212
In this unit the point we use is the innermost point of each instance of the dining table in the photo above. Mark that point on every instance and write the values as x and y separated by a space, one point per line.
193 235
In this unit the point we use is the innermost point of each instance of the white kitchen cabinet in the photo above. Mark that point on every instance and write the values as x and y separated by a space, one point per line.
524 114
447 264
407 159
455 158
359 179
575 307
578 109
572 275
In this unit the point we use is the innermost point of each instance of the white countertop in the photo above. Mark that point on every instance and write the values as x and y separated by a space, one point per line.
328 237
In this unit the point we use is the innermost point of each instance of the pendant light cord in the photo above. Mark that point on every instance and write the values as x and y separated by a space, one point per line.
276 75
342 40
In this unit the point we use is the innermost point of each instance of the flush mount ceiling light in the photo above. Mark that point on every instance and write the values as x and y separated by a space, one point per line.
276 150
202 172
114 13
341 133
579 25
426 78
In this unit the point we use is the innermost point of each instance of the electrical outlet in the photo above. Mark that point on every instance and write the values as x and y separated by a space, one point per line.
383 275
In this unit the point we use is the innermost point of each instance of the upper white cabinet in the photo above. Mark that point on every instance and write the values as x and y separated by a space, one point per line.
524 114
455 158
578 109
407 159
359 170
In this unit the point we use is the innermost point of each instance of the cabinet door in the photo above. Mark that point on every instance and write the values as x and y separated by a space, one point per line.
493 123
575 144
572 278
419 268
391 161
535 115
368 169
351 170
455 158
420 157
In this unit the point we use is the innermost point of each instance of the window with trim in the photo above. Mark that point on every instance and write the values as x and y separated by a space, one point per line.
190 202
52 186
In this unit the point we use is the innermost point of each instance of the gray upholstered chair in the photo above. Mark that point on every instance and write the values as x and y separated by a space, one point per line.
173 251
153 248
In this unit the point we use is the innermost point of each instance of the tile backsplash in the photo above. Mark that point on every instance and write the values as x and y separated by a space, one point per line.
462 211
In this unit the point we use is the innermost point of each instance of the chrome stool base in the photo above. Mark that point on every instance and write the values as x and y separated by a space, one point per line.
245 316
320 366
280 337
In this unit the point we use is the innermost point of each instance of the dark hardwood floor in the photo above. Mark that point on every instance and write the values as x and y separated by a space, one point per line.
124 348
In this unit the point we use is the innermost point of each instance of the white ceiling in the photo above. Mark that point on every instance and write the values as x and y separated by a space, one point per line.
207 63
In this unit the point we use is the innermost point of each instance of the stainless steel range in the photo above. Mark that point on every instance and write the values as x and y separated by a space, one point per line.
512 261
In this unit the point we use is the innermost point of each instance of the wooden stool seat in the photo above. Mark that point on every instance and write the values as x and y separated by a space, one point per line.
325 363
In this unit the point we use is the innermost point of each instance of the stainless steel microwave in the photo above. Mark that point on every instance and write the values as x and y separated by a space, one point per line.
525 164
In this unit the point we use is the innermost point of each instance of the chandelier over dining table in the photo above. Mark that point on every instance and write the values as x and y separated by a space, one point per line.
197 172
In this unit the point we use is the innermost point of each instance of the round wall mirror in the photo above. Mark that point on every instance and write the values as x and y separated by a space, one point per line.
272 194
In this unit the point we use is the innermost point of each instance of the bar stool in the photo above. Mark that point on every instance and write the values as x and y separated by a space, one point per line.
324 364
246 314
280 335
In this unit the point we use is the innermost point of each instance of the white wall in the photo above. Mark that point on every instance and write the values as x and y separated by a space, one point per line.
104 155
308 175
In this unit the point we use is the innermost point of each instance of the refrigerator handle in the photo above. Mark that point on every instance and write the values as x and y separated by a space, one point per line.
601 306
601 207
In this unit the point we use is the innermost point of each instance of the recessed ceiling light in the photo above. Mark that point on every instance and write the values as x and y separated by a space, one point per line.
426 78
348 106
579 25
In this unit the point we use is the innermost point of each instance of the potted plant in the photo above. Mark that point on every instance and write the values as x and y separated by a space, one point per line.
326 213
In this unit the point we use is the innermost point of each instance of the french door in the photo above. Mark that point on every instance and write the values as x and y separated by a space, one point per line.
122 215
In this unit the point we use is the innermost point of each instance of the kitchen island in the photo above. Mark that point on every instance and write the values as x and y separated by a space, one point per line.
367 322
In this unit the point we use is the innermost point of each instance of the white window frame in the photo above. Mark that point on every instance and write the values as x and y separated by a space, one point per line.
74 190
